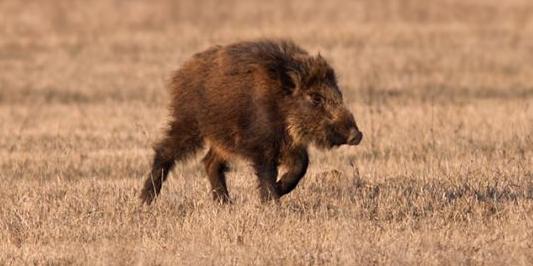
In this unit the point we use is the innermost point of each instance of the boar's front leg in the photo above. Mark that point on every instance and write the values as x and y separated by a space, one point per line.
267 173
216 167
296 162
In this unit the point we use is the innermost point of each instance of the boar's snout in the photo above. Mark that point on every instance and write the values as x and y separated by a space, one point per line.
355 137
348 127
344 130
354 134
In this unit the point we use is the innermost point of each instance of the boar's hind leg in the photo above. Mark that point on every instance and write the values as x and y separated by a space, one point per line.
180 141
216 167
267 174
296 163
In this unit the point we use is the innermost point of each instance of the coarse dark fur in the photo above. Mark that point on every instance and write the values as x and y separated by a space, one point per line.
264 101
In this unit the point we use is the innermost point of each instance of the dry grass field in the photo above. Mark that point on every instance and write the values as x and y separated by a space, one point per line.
443 91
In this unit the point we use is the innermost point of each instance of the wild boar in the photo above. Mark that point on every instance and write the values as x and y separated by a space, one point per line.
263 101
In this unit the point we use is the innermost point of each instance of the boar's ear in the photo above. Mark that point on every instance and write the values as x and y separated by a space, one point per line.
318 70
291 79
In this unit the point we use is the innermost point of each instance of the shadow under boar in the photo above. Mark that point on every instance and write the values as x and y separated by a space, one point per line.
263 101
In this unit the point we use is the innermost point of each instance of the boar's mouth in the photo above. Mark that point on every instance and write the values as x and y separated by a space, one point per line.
355 137
335 138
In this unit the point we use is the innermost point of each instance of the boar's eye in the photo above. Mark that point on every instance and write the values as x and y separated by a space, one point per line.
316 99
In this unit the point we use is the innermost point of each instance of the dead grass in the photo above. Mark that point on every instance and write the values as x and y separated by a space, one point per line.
443 91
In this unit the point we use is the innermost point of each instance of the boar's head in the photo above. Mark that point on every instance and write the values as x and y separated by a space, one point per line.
316 113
